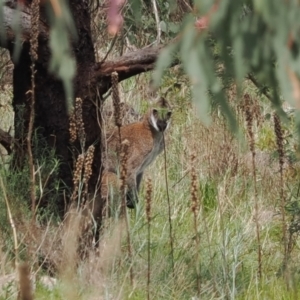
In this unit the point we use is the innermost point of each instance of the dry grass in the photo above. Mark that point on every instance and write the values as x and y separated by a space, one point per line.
227 247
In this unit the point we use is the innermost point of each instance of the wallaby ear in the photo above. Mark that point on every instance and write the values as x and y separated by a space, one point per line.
162 102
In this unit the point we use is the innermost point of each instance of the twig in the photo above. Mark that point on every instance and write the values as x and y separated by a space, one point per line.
56 7
169 209
29 149
42 185
110 49
187 5
35 8
157 21
249 121
195 209
178 181
279 142
123 157
11 222
148 215
259 86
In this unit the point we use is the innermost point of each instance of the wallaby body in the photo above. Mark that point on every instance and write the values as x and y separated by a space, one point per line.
146 142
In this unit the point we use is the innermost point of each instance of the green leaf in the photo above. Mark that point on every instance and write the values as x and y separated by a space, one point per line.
16 26
163 26
62 62
189 37
136 7
197 76
164 60
173 27
203 6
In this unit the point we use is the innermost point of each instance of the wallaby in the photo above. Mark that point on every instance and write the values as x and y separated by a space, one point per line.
146 142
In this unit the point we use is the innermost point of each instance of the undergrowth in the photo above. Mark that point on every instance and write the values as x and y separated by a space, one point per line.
227 250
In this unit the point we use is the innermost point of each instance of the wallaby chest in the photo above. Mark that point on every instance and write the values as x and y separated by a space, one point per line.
152 153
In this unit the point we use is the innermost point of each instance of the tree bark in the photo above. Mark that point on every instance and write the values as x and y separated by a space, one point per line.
91 81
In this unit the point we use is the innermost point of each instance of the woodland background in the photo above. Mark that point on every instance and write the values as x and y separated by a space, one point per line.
224 217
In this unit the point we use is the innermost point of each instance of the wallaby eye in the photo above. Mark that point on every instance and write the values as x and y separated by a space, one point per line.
155 112
169 114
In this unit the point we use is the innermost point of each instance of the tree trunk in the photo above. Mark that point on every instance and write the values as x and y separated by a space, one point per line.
51 118
92 80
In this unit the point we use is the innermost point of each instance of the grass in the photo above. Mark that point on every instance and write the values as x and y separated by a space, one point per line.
226 222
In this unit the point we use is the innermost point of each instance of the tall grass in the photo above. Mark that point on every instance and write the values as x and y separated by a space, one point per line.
231 210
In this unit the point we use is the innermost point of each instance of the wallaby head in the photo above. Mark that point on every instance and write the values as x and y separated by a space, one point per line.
160 115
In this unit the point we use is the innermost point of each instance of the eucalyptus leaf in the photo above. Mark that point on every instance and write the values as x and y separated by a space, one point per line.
62 62
16 26
238 39
163 26
136 7
164 60
194 69
173 27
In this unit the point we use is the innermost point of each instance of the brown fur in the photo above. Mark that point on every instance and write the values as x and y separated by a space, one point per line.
145 144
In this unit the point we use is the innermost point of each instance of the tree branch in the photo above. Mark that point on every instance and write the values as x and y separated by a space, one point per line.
139 61
157 21
128 65
9 13
6 140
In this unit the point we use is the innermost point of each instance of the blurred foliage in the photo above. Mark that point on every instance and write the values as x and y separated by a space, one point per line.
139 27
256 39
62 61
245 39
62 27
140 17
